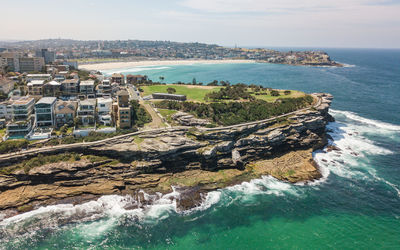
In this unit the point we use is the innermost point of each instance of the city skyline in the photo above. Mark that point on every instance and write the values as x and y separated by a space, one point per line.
288 23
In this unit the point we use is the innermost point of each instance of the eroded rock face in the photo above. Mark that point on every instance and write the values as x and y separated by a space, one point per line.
156 160
186 119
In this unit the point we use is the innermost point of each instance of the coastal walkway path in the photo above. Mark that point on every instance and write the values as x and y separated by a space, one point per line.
83 145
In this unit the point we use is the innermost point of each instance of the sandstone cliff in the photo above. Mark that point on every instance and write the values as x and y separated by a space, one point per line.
199 159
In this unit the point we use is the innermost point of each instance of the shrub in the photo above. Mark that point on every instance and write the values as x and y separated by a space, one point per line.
287 92
171 90
275 93
13 145
230 113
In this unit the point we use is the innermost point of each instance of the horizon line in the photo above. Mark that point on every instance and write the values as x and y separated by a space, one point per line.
224 45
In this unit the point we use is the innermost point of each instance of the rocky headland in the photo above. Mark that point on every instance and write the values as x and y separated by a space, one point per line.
194 159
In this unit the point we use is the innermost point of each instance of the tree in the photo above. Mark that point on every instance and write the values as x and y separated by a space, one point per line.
171 90
275 93
194 82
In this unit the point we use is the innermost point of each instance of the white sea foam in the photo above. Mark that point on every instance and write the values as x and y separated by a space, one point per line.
350 161
135 69
264 185
378 124
345 65
348 134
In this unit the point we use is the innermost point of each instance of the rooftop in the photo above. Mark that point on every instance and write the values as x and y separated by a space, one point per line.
87 83
167 94
104 100
122 92
71 81
117 75
23 100
47 100
35 82
88 102
54 83
38 75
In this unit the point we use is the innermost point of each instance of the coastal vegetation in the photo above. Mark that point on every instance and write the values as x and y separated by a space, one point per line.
139 115
13 145
41 160
230 113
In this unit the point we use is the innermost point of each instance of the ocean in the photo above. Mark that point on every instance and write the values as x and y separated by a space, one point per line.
355 205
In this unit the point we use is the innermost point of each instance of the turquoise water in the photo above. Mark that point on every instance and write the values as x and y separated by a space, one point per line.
355 205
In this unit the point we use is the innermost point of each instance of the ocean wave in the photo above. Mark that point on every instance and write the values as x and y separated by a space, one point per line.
134 70
348 159
355 117
348 150
345 65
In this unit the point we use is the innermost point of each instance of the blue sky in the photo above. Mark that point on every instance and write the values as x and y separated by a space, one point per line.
291 23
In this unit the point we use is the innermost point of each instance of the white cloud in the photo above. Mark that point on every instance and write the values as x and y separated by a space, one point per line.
275 6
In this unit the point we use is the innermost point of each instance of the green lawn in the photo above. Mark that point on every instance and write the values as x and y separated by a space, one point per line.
193 93
2 132
167 113
269 98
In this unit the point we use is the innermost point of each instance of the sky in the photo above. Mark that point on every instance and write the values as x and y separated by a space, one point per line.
273 23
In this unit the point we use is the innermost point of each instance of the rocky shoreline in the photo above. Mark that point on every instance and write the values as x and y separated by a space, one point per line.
196 160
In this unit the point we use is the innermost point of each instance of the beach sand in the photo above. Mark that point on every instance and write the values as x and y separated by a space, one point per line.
121 65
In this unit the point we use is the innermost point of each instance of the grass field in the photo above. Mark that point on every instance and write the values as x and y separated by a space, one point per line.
167 113
269 98
193 93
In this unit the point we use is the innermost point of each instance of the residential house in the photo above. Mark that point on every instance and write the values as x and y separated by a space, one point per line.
52 88
118 78
65 112
70 87
44 112
87 111
124 110
22 117
134 79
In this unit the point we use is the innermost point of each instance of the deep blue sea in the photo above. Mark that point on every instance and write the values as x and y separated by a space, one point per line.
356 205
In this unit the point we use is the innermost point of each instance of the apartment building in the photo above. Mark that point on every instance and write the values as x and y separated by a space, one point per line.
6 85
49 56
118 78
65 112
70 87
87 89
134 79
52 88
124 110
35 88
86 111
30 64
44 112
10 61
6 110
22 117
104 108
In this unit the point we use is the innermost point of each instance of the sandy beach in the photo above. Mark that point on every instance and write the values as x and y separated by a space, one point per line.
121 65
